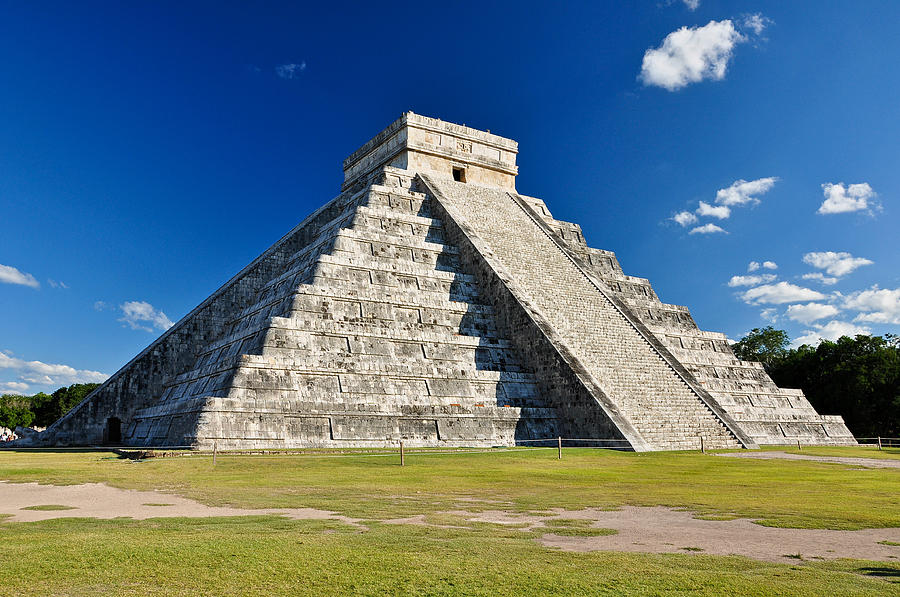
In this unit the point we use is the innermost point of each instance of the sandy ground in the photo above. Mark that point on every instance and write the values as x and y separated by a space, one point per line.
666 530
863 462
656 529
95 500
662 530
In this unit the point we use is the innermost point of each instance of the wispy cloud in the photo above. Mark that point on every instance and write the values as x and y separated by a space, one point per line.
844 199
770 314
707 229
779 293
290 71
692 5
739 193
141 315
45 374
756 23
716 211
751 280
690 55
837 264
13 387
820 277
684 218
55 284
11 275
743 191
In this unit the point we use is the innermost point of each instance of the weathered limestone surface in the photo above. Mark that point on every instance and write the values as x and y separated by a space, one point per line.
637 376
430 302
767 414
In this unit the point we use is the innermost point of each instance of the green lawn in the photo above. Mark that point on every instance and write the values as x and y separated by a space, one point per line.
779 493
253 555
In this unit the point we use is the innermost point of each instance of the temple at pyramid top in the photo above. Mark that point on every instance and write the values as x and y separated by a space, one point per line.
440 149
432 303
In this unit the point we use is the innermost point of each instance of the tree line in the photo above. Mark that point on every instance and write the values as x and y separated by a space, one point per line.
41 410
857 378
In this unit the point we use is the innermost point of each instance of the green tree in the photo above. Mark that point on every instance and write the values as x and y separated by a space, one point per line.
15 410
767 346
857 378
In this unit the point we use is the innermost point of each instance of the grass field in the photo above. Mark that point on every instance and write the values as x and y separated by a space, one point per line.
250 555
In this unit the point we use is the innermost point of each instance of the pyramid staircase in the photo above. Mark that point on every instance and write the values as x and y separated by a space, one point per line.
644 383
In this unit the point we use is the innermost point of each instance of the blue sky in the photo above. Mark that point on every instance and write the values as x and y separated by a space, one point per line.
148 152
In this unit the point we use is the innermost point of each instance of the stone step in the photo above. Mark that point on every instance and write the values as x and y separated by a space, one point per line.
313 364
399 200
325 308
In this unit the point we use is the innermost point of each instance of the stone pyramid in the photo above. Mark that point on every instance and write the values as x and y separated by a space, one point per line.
430 302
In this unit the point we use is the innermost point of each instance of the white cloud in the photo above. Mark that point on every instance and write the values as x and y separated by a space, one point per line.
820 277
756 23
755 265
750 280
770 314
743 191
54 284
290 71
137 313
876 305
706 229
11 275
830 331
782 292
811 312
721 212
692 4
843 199
690 55
13 387
684 218
835 264
37 372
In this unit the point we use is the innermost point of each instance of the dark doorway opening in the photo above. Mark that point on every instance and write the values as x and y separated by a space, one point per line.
459 174
113 430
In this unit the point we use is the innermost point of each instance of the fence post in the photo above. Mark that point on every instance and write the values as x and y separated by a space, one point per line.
702 445
402 455
559 447
879 442
799 447
215 449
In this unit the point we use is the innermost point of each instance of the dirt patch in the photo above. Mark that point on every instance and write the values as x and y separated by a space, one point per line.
852 461
418 519
664 530
530 521
95 500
